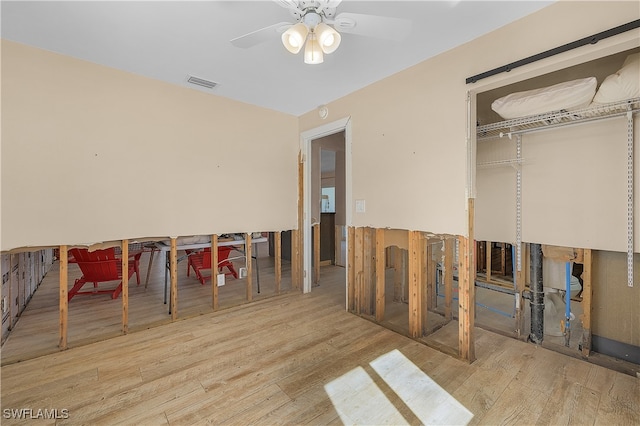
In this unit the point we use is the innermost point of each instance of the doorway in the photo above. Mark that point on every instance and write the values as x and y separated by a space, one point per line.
333 137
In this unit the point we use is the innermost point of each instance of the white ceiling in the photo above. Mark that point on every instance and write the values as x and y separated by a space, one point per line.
169 40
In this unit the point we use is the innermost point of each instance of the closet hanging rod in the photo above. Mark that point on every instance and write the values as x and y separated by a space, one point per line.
564 48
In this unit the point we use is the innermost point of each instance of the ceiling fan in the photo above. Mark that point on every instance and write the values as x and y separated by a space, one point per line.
312 28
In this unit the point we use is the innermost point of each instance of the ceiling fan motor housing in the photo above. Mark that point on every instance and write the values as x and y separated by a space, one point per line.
312 19
305 8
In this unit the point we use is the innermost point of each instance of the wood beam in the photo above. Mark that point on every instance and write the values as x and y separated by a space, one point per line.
449 252
351 269
247 250
316 254
587 292
214 272
398 274
359 269
64 302
12 297
277 236
416 290
296 267
466 292
489 252
380 274
173 272
368 251
429 273
125 286
426 280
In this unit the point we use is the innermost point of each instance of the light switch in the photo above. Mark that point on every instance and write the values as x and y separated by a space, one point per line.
360 207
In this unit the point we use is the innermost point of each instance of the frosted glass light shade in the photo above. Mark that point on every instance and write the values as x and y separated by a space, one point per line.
312 51
328 38
294 38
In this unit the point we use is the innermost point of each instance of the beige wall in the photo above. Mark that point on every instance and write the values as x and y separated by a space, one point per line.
93 154
64 118
405 138
409 130
574 185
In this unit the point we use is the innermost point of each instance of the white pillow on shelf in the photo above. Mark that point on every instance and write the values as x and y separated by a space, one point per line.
624 84
569 95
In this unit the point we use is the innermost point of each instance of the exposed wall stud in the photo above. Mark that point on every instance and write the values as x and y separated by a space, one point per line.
449 244
380 274
277 236
64 302
398 275
296 260
587 292
426 281
214 272
351 269
173 262
125 286
247 252
359 267
416 290
466 285
488 257
368 251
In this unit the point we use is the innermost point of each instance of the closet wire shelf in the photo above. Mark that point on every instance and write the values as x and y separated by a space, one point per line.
554 119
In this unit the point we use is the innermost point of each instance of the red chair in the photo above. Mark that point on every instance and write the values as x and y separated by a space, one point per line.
202 260
101 266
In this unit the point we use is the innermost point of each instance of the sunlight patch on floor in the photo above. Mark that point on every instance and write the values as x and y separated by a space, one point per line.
428 401
358 400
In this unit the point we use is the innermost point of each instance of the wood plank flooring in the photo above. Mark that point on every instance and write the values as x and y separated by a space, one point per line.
270 362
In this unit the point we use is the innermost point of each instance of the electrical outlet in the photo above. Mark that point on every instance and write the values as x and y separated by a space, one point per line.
220 278
242 273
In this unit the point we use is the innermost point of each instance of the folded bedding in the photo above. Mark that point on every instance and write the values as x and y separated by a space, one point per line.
624 84
569 95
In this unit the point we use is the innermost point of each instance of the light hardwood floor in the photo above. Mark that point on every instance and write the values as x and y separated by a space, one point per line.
269 362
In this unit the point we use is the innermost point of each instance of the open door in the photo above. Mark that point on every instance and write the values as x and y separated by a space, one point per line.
331 135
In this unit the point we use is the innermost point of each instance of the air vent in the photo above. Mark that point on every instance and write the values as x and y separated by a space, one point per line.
202 82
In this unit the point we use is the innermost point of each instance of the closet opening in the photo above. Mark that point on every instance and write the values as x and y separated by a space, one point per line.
563 179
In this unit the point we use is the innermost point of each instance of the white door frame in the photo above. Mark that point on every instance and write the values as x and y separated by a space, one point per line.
306 138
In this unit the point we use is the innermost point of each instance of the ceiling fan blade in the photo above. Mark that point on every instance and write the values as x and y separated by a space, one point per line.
260 36
373 26
330 3
287 4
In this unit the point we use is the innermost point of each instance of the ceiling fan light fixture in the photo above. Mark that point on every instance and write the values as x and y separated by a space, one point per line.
328 38
312 51
293 39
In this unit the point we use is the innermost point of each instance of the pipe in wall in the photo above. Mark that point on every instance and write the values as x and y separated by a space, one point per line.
537 295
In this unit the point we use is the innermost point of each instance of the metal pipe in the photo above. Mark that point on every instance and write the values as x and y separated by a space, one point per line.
537 295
